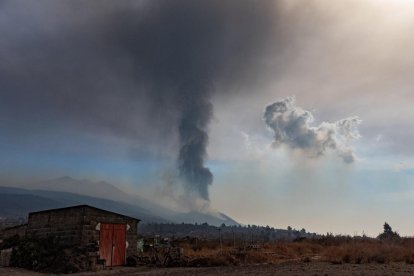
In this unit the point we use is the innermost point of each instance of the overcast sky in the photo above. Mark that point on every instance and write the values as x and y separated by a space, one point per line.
301 110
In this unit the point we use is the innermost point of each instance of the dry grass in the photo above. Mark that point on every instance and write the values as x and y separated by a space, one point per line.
336 250
371 251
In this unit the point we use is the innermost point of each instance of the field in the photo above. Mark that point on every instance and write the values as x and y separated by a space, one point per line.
323 256
330 249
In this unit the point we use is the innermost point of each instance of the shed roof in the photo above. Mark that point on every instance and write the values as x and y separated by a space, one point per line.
15 226
83 206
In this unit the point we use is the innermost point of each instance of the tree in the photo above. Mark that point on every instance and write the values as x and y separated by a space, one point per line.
387 229
303 232
388 234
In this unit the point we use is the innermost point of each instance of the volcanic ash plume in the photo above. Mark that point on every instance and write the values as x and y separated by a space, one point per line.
291 126
143 72
193 141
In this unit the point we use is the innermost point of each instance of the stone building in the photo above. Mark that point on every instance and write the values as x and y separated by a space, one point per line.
17 230
114 235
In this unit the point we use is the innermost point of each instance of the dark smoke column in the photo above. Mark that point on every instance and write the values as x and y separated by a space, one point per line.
139 70
180 51
196 115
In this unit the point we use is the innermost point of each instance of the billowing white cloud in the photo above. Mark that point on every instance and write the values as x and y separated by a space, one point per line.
291 126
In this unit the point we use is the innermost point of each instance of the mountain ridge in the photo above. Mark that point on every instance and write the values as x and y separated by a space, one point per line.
66 191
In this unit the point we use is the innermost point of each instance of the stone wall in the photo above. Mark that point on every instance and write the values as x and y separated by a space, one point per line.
64 225
5 256
79 226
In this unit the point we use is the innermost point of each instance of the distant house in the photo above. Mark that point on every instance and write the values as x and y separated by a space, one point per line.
17 230
114 234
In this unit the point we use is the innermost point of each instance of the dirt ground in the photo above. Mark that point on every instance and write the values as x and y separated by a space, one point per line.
292 268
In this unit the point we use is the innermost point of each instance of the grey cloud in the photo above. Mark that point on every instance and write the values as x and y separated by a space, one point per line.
291 126
140 70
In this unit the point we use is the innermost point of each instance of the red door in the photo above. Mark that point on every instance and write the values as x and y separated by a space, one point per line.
112 243
105 243
119 242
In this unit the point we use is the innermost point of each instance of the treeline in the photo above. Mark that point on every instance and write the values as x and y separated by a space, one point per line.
251 233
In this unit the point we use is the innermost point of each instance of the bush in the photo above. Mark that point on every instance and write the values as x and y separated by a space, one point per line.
45 255
10 242
35 254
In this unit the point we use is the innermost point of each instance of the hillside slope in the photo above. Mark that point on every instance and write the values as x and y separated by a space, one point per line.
66 191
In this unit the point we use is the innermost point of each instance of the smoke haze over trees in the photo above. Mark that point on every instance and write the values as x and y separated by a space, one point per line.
166 99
